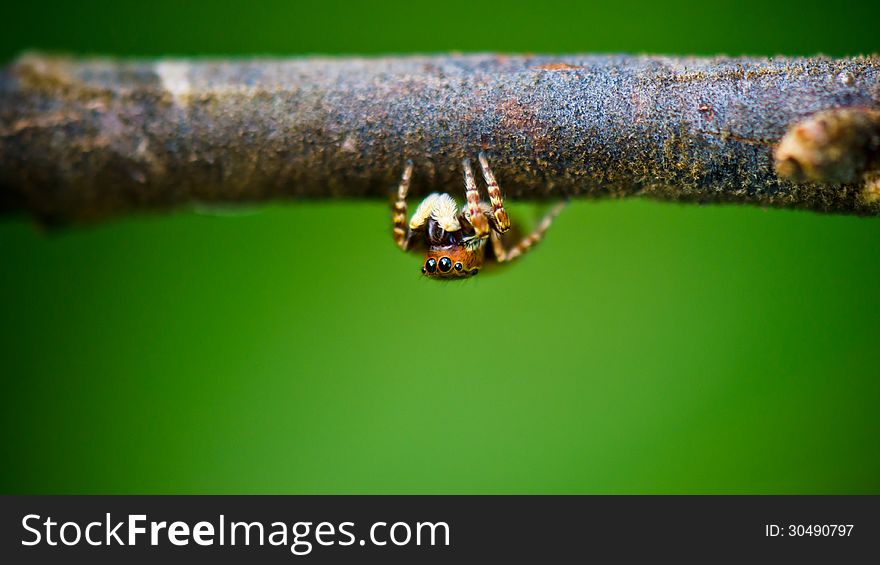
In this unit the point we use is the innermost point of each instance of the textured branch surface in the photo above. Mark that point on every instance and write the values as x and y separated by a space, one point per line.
85 139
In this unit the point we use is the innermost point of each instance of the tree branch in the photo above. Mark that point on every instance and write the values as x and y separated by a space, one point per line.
86 139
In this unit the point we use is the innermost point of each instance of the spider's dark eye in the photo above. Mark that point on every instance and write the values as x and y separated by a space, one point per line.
475 271
445 264
458 266
431 265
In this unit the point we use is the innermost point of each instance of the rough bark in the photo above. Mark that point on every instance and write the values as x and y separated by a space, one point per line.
86 139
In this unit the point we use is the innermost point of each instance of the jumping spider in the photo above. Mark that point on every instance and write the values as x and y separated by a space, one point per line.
456 239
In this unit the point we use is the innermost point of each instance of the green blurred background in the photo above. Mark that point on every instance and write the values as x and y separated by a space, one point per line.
643 348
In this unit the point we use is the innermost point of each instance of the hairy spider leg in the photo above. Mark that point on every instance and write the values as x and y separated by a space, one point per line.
398 216
507 255
474 210
499 215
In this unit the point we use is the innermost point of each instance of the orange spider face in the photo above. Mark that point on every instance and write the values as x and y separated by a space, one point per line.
454 261
450 255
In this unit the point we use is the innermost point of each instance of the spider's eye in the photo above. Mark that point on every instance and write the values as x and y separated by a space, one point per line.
458 266
431 265
445 264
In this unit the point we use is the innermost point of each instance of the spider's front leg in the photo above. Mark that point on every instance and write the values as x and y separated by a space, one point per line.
475 213
500 219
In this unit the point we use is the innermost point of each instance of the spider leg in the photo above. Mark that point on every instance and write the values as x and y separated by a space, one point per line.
500 219
507 255
401 234
474 211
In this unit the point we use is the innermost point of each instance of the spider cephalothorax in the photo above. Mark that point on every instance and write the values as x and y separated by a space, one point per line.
456 239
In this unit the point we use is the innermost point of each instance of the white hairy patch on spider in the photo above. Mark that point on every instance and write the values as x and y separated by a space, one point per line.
175 78
420 216
445 211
